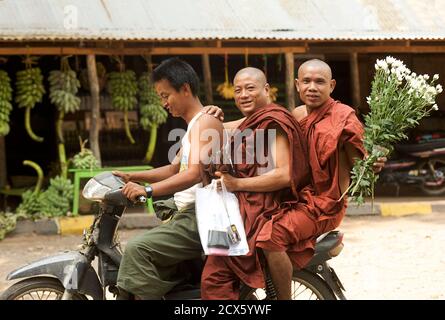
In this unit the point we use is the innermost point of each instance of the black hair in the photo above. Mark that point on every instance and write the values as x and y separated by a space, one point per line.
178 73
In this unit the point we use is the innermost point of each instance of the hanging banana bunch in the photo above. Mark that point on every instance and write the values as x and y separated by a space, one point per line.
63 89
85 159
152 112
273 91
226 89
30 91
123 88
5 102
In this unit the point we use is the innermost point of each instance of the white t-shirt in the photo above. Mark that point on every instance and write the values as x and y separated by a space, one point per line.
186 198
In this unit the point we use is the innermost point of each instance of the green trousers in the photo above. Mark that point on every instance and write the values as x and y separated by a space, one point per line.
150 266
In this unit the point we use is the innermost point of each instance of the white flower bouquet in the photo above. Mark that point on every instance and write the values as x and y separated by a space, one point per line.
399 100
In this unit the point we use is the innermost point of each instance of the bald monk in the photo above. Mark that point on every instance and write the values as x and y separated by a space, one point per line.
334 136
335 139
262 197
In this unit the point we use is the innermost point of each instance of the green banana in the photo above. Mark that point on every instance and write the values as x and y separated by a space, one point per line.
30 91
152 112
5 102
85 158
123 88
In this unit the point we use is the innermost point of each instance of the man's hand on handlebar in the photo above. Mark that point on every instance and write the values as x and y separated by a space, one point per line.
133 191
126 177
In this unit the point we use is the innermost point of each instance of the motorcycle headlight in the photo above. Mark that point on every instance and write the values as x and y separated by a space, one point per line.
93 190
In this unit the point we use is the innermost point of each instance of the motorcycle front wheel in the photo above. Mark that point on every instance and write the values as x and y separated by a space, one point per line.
39 288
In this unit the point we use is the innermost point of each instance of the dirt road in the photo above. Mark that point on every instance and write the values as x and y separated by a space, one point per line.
383 258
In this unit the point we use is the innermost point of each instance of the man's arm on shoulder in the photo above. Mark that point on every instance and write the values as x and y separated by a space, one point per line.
205 126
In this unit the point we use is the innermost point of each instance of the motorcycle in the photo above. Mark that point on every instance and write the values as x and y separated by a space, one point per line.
421 165
71 275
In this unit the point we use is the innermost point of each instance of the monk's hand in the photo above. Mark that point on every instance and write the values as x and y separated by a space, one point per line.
126 177
214 111
133 190
379 164
231 183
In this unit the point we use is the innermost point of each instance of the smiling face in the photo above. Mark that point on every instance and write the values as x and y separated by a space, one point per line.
251 91
171 99
314 83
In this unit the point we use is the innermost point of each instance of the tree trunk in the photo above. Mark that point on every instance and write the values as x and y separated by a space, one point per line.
355 80
290 80
3 173
95 112
207 78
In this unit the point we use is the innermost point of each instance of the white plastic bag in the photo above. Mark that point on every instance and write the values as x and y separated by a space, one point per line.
219 221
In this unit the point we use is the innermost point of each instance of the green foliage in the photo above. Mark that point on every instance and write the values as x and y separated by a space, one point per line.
399 100
5 102
53 202
7 223
30 205
85 159
56 200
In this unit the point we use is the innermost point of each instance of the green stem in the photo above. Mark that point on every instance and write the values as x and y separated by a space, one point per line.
357 183
61 146
59 128
36 167
62 159
28 126
151 143
127 128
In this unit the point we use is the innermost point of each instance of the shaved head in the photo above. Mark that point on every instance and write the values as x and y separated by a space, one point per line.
251 90
314 83
254 73
316 63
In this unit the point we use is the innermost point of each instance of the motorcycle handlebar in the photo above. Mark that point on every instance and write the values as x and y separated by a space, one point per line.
141 199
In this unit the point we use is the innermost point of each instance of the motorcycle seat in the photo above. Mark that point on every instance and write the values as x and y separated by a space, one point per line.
421 147
328 241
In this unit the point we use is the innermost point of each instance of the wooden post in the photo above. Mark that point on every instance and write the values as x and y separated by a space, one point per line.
207 78
95 112
290 80
3 173
355 80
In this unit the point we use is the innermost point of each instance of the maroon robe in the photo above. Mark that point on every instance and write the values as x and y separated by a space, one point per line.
221 275
325 128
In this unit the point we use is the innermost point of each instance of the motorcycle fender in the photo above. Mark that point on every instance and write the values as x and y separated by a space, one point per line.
71 268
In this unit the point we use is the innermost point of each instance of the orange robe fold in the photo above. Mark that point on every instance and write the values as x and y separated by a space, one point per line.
325 128
318 210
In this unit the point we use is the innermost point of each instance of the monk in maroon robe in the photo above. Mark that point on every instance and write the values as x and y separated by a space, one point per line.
334 136
335 139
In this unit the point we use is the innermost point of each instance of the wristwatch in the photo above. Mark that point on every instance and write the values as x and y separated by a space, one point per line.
149 191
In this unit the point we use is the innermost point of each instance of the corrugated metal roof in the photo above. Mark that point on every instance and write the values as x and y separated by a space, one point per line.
221 19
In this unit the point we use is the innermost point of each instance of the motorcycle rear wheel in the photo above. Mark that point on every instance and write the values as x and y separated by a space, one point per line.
39 288
438 164
305 286
308 286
